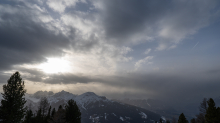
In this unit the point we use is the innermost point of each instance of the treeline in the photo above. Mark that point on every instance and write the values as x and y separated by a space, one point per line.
208 113
162 121
13 110
70 113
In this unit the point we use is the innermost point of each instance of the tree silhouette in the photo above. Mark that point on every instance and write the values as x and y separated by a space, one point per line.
211 113
193 120
53 112
182 119
59 116
44 105
12 108
29 117
167 121
73 114
200 118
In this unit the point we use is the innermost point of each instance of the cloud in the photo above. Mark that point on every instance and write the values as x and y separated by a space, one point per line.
31 34
61 5
146 60
103 40
147 51
26 38
182 22
152 21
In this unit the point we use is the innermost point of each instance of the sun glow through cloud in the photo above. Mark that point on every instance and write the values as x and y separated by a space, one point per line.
55 65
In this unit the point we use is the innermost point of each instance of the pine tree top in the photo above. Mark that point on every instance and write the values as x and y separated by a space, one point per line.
182 119
12 106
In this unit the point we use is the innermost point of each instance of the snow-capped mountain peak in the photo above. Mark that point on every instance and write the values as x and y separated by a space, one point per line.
89 97
63 95
82 100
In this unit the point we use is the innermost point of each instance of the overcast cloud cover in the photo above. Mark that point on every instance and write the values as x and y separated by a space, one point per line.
117 48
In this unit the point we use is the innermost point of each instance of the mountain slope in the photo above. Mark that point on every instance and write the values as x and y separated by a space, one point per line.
156 106
98 109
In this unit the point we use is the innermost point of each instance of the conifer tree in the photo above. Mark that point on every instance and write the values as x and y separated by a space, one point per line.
48 114
211 112
28 117
193 120
218 114
59 116
182 119
73 114
39 117
60 107
12 108
47 118
200 118
44 105
161 120
203 106
53 112
167 121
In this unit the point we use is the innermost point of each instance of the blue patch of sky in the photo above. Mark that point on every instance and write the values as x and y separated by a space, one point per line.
139 49
206 53
10 2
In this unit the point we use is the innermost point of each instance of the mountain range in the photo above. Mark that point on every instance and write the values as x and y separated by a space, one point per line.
96 109
99 109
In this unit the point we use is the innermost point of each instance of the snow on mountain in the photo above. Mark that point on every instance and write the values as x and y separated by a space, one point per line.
89 97
63 95
157 106
94 118
114 114
143 115
30 97
163 118
94 108
1 97
40 94
82 100
121 118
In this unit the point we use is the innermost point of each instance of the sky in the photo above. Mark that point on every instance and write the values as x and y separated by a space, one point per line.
117 48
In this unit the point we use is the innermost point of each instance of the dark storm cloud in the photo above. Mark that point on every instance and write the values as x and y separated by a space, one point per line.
168 20
25 39
125 17
69 79
33 75
36 75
